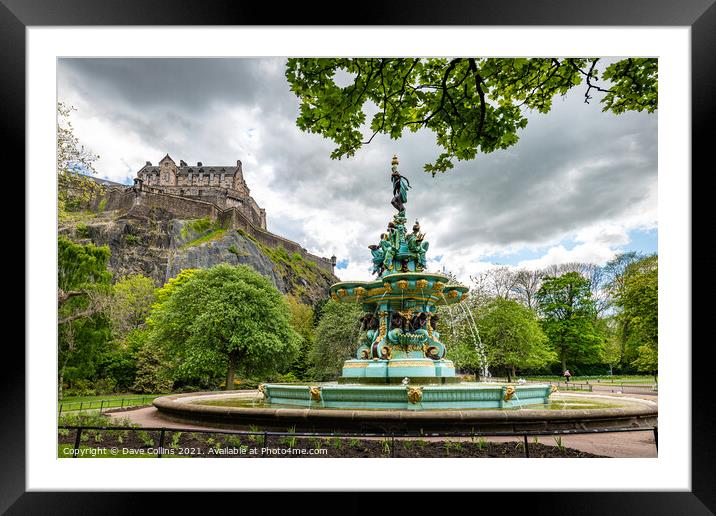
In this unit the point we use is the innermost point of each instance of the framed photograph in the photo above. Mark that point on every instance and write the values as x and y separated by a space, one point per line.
213 83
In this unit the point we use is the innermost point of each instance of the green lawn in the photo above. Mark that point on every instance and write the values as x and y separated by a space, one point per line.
75 403
636 379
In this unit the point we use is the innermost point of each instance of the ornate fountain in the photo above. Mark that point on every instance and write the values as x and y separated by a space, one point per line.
400 361
399 337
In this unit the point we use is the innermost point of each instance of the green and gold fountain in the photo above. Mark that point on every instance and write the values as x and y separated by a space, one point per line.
400 361
399 339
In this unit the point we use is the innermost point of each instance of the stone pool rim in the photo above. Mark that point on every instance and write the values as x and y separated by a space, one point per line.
633 412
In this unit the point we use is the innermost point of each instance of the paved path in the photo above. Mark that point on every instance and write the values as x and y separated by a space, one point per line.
621 444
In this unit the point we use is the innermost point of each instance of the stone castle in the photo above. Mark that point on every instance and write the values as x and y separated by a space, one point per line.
223 185
218 192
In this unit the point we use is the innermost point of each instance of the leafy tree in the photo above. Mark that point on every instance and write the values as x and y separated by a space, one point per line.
119 366
638 299
318 309
611 349
151 372
164 292
568 317
75 190
471 104
302 322
83 346
224 319
82 299
513 337
337 337
132 300
459 334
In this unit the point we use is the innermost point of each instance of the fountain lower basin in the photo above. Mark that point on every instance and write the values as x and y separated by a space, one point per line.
406 397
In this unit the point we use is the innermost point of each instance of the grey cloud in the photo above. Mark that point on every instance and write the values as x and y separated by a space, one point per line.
523 195
191 85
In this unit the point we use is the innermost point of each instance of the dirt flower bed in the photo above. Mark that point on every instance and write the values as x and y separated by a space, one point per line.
138 442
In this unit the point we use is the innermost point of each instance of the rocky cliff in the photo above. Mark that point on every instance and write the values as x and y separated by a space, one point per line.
157 245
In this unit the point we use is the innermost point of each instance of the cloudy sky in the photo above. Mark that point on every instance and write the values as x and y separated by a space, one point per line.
580 185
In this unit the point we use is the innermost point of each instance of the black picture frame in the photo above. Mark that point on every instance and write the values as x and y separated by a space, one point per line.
700 15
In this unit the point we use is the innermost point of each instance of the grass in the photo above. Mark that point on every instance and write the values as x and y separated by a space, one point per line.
197 226
558 443
204 228
233 250
291 264
105 401
290 441
98 397
644 379
385 446
215 234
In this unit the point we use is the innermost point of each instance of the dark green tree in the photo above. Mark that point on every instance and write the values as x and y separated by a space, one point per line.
302 321
151 374
337 338
513 337
225 319
638 300
568 318
471 104
132 300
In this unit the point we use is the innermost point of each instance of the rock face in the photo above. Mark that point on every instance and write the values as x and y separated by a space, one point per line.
158 246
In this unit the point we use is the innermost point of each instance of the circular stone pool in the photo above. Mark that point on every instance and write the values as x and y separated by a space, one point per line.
241 409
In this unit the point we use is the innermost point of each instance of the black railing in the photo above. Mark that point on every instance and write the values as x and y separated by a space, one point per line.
78 406
265 434
572 386
614 388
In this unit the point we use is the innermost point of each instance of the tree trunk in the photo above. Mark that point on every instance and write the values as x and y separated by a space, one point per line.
514 372
509 376
564 359
233 362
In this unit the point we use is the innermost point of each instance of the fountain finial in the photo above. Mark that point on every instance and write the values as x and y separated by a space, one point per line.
400 188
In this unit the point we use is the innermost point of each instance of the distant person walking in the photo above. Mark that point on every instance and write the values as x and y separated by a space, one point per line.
567 376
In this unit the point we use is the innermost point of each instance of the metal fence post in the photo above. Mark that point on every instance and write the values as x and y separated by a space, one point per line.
527 447
81 402
656 437
100 407
76 449
161 443
58 415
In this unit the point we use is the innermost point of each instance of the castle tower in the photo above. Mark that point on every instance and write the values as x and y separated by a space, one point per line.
239 183
167 171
